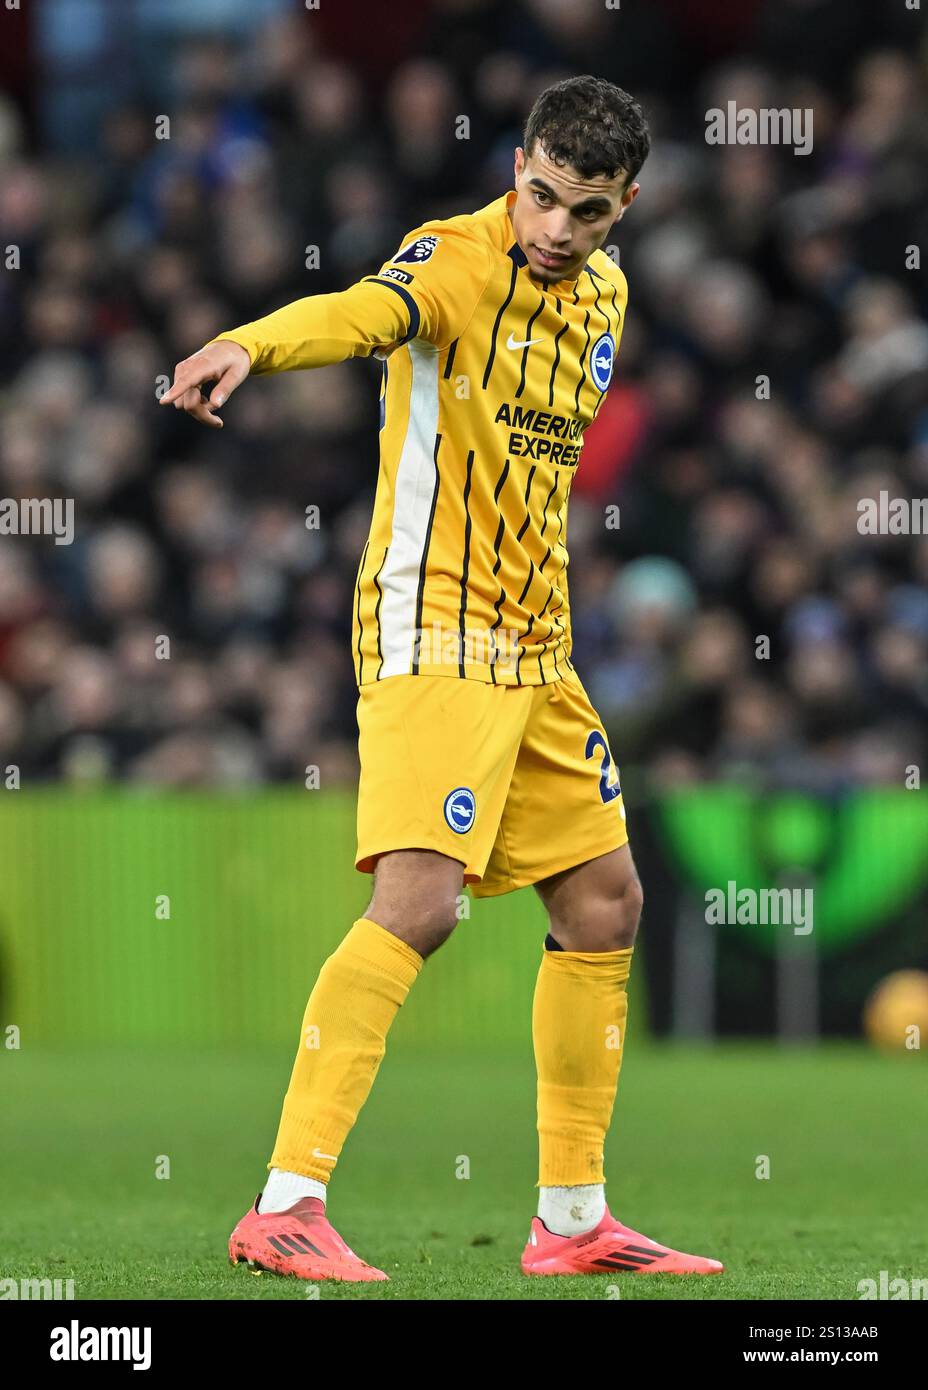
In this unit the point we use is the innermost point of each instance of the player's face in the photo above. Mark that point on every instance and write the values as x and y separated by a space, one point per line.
559 218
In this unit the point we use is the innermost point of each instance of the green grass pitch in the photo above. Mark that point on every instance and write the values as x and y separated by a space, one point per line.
844 1129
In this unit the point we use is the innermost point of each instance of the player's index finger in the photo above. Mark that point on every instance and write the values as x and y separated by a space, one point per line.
186 376
173 392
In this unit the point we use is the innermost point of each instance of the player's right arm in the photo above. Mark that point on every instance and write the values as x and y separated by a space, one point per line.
226 363
311 332
431 298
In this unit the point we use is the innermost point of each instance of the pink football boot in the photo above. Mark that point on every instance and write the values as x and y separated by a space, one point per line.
299 1241
610 1248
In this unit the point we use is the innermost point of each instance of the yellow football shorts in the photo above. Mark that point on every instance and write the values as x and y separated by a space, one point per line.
516 782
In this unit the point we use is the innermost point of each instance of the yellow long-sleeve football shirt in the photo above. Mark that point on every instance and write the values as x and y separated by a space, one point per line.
489 382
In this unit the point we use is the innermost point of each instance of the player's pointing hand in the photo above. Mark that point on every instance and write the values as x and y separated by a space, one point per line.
226 363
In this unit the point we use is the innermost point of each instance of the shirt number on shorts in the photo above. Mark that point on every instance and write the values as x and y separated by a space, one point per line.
597 739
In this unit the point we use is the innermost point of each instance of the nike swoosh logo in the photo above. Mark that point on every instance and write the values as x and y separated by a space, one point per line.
527 342
317 1153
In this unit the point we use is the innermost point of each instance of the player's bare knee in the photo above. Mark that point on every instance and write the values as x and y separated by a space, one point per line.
607 921
431 926
423 926
416 897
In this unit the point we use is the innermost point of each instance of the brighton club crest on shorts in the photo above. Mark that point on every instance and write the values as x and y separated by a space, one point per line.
460 809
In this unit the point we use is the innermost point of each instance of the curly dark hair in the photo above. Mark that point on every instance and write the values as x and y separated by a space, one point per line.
590 124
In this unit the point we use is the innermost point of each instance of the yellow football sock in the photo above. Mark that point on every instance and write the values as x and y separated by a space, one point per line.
578 1029
356 997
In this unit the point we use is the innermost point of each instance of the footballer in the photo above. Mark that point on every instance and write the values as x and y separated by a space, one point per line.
483 761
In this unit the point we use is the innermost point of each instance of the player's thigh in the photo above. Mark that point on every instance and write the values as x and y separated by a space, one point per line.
565 804
437 755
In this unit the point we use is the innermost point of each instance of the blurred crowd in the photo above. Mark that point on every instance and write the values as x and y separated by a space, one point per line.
773 373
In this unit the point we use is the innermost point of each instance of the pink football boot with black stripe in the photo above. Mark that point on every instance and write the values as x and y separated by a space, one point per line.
610 1248
299 1241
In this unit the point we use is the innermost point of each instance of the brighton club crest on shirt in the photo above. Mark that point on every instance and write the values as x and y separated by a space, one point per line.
601 360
